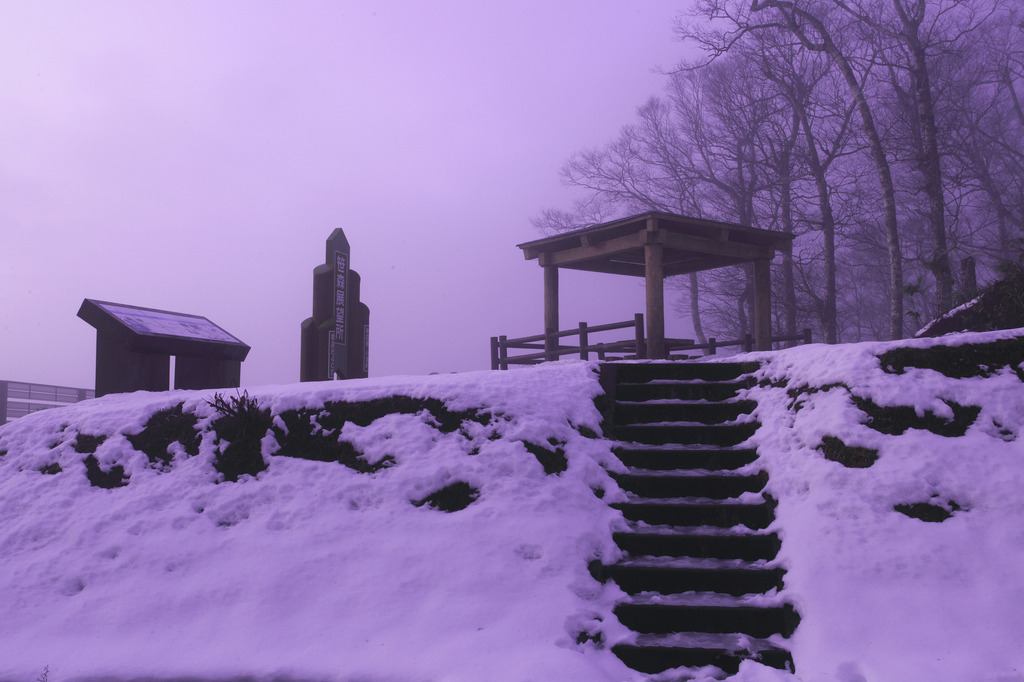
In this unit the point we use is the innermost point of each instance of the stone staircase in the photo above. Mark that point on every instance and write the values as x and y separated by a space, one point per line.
698 565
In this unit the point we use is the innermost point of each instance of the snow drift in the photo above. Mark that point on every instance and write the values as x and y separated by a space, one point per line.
447 536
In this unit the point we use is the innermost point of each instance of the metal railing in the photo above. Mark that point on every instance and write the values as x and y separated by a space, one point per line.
18 398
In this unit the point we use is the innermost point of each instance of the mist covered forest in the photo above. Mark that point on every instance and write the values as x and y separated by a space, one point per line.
887 136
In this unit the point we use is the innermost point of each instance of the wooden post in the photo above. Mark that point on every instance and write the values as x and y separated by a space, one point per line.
762 304
712 346
494 352
502 352
807 335
120 370
550 312
641 346
584 350
748 343
655 286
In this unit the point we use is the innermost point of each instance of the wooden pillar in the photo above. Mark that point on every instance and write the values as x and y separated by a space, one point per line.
655 286
119 370
762 304
639 341
550 312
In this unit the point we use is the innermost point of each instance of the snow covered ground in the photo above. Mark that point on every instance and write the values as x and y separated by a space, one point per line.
316 571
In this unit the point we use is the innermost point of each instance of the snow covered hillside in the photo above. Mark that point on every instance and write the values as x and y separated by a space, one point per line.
858 441
448 538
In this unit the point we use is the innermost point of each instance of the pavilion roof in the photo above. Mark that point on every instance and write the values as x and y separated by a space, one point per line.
689 245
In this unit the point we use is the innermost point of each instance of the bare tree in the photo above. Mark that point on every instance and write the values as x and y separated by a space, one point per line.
762 132
984 134
823 123
819 28
695 152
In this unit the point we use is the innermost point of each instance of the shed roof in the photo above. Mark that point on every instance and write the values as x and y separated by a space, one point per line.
148 330
689 245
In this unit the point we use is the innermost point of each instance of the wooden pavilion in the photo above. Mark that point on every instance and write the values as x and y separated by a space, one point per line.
654 246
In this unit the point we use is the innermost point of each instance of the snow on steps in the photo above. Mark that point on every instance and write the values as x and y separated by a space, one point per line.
699 565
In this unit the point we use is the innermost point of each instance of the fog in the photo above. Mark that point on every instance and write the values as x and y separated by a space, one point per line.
195 156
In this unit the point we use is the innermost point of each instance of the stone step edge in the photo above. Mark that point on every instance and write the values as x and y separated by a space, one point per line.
741 381
693 661
735 642
729 423
644 402
762 621
669 531
686 563
672 474
677 448
747 499
773 599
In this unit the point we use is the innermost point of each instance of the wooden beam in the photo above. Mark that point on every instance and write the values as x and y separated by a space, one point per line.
762 304
610 247
712 247
543 246
655 289
596 233
714 229
609 267
550 312
699 264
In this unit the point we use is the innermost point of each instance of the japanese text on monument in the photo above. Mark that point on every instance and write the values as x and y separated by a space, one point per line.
340 275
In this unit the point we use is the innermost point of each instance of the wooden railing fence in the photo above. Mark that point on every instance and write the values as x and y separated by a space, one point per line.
627 349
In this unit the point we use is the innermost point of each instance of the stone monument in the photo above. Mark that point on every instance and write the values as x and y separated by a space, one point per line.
336 339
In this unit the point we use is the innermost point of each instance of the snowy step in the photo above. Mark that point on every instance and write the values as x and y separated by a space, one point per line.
688 562
667 484
688 472
756 621
698 565
700 543
685 433
675 457
748 497
737 578
768 599
699 513
654 653
635 372
681 411
668 389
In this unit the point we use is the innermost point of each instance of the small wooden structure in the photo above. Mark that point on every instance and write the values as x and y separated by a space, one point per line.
134 346
654 246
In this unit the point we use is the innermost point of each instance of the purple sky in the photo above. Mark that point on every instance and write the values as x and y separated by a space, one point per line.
194 156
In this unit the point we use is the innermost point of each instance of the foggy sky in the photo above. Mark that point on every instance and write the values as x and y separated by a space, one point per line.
194 157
